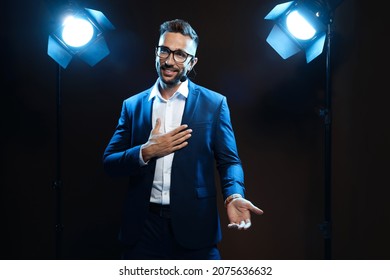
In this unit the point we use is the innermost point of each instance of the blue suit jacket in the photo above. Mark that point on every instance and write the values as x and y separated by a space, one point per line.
194 211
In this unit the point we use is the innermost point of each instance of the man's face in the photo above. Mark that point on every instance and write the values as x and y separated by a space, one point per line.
169 70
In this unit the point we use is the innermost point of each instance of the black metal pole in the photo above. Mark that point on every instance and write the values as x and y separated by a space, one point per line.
57 184
326 226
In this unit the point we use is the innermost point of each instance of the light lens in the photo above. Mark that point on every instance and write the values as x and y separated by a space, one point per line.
299 27
77 32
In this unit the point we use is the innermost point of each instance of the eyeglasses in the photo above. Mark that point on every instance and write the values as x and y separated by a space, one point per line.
179 55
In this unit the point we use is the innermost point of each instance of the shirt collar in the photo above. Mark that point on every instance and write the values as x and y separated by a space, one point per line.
183 89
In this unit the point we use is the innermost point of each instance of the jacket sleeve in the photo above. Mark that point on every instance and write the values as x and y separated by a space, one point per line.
120 157
228 162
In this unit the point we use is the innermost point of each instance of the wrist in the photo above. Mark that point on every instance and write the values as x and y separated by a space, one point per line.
145 152
232 197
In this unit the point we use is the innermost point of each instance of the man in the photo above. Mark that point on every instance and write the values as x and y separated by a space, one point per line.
167 140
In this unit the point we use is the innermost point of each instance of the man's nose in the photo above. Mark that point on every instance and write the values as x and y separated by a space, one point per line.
169 60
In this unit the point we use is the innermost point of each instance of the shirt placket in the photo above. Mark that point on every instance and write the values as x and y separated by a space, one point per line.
168 115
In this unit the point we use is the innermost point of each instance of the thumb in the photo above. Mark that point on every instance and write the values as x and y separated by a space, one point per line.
156 128
256 210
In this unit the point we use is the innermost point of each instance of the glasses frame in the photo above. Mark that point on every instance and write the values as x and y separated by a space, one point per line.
173 52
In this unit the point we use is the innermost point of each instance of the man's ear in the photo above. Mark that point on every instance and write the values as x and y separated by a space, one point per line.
193 62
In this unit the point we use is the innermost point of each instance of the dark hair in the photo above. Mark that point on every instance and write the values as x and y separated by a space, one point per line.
179 26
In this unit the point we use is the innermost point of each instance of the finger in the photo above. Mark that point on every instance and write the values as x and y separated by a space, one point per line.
179 129
241 225
181 140
233 225
179 146
247 224
183 135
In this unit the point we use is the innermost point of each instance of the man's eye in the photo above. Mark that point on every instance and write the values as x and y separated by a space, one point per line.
164 51
181 54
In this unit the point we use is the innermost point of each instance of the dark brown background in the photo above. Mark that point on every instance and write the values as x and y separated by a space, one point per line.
274 107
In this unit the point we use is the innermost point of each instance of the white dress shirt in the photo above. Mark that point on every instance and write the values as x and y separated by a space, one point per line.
170 113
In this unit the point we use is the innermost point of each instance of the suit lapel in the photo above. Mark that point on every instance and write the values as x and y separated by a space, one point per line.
191 103
146 115
147 110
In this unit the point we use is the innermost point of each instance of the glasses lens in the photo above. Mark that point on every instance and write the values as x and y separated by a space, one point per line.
179 56
163 52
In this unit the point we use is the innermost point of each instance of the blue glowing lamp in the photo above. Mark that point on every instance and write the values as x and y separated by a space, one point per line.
299 26
81 34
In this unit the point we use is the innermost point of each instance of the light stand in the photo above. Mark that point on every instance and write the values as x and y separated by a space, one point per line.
326 114
57 184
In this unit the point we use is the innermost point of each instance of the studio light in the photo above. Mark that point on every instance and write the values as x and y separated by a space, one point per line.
306 25
81 35
299 26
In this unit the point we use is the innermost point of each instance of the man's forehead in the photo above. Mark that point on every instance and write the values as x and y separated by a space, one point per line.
177 41
176 37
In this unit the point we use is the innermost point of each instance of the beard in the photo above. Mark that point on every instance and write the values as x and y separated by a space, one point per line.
174 80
